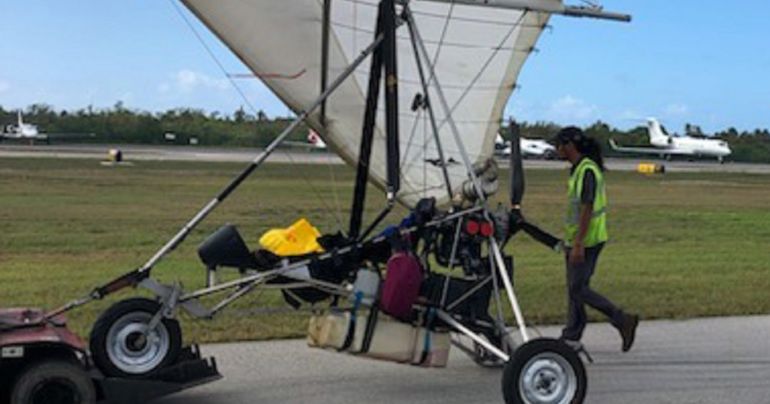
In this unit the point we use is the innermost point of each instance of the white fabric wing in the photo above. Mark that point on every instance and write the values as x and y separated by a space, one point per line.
477 52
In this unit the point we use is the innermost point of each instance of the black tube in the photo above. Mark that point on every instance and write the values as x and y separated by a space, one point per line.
518 185
388 9
367 135
325 55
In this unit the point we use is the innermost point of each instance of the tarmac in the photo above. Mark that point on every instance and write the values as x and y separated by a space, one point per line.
138 153
705 361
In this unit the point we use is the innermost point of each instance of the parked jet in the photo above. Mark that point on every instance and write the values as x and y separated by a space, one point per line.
665 145
22 131
536 148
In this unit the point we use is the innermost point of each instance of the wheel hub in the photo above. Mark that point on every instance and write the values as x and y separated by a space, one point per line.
135 349
547 378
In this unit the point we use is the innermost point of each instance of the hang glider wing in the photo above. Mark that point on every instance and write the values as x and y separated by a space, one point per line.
477 52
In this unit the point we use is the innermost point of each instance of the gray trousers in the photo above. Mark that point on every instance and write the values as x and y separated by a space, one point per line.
580 294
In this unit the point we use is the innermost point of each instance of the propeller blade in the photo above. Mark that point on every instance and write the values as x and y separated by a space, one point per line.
517 171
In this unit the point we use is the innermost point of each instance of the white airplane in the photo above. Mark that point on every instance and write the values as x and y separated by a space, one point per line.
537 148
29 132
314 141
666 146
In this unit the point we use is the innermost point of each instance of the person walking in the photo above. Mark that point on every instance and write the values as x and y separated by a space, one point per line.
586 235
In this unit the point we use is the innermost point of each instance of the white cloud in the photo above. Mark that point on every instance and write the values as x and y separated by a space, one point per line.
677 110
570 109
188 81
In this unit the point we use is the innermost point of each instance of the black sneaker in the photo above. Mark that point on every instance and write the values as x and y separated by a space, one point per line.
628 331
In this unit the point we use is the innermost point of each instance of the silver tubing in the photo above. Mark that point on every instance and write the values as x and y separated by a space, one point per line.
417 38
263 277
545 6
233 297
232 284
469 293
444 316
431 113
451 261
496 289
185 231
180 236
509 289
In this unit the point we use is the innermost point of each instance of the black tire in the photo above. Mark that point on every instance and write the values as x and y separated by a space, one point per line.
53 382
113 343
547 361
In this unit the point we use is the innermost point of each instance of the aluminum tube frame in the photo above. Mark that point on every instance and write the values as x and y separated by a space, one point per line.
509 289
265 276
415 37
546 6
447 318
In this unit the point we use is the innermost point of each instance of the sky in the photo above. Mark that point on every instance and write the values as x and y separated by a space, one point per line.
704 62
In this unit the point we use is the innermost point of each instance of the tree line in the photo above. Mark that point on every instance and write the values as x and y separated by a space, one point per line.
119 124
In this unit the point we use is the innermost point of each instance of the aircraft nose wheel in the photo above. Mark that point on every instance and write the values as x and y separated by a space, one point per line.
123 346
544 371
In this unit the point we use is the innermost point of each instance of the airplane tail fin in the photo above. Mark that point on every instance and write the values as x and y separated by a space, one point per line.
20 121
658 135
613 145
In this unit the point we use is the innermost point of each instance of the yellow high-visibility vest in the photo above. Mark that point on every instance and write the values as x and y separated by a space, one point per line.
597 227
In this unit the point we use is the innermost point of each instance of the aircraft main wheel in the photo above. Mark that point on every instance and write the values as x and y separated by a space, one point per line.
121 345
544 371
53 382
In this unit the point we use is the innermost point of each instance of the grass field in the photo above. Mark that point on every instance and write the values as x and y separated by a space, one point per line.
683 245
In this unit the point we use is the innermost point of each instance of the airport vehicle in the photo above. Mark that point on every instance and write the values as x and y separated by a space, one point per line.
28 132
442 170
43 362
532 148
666 146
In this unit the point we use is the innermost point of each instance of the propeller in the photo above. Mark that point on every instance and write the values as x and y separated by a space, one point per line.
518 186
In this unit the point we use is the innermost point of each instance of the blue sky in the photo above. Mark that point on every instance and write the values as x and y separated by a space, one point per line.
704 62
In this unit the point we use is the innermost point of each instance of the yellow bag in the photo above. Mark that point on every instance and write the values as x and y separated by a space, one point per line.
297 239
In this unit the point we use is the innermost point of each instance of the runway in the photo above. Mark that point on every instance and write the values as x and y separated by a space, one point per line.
718 360
288 155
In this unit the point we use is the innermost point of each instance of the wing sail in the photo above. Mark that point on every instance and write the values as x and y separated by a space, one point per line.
477 52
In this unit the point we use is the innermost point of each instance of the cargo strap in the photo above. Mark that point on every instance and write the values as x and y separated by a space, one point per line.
371 323
427 340
352 326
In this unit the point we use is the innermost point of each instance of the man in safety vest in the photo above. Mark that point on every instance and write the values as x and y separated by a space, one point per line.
585 235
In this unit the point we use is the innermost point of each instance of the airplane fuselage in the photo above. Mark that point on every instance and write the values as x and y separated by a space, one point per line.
667 146
694 147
